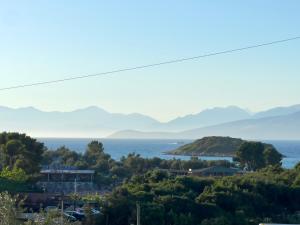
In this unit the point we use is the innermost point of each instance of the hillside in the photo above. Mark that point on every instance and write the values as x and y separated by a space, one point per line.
278 111
208 117
210 146
286 127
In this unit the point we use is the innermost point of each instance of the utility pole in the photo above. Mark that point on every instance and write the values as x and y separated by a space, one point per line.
138 213
75 194
106 219
62 208
75 186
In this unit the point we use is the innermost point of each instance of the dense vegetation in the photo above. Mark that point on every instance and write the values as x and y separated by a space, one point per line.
270 195
21 151
20 162
15 180
251 155
210 146
256 155
22 156
109 171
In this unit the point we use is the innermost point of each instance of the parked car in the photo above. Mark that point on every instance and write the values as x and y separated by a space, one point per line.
93 211
79 216
69 217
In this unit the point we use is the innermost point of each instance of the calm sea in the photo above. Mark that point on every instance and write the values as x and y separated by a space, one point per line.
155 148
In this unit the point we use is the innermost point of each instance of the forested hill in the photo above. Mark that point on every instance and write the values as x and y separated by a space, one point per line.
210 146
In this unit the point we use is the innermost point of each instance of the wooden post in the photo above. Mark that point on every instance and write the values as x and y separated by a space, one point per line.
138 213
62 209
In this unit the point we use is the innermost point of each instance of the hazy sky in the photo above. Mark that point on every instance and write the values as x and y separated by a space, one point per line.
45 40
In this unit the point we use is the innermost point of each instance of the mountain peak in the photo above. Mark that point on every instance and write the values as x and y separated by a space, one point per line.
92 108
226 108
278 111
208 117
28 108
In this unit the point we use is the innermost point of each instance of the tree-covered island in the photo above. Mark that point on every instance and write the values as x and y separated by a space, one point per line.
212 146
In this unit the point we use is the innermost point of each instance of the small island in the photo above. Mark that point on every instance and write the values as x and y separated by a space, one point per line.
210 146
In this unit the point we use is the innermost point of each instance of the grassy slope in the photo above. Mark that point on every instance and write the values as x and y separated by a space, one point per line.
210 146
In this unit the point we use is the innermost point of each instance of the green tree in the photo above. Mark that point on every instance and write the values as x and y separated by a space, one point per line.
250 155
257 155
272 156
21 151
96 158
152 214
16 174
13 150
61 156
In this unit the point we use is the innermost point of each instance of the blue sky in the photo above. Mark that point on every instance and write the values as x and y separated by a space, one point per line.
45 40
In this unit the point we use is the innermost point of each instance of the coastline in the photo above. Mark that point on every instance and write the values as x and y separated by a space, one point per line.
200 155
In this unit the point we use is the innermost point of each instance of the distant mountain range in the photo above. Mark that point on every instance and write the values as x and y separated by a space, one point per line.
285 127
207 117
278 111
275 123
87 122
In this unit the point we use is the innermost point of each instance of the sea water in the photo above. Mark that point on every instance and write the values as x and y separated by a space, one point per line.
157 148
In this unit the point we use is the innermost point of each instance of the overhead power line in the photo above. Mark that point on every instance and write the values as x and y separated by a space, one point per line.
150 65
